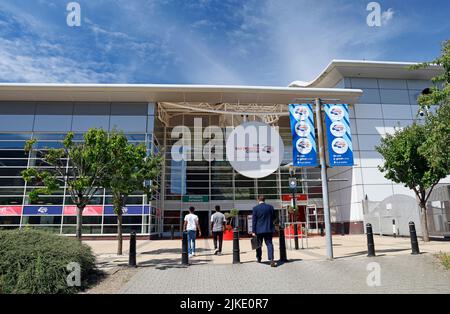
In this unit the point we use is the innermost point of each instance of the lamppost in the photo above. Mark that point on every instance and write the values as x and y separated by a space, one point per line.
324 176
293 186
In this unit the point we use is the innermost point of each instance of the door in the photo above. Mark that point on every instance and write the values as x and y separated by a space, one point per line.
203 221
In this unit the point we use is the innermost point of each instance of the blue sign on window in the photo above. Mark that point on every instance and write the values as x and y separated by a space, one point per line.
303 135
42 210
127 210
339 135
149 210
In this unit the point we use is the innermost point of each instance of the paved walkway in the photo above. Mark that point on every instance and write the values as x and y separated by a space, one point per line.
398 274
308 272
160 253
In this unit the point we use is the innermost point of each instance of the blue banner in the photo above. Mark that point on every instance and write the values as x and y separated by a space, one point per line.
339 135
127 210
303 135
42 210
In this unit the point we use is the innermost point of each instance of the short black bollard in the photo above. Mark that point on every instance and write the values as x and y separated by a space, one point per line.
394 228
236 251
184 250
283 253
296 236
414 242
132 254
343 229
322 233
370 243
172 232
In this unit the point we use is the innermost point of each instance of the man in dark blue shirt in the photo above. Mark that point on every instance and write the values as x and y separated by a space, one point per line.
263 228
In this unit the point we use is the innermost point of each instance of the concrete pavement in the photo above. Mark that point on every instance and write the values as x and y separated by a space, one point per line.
394 268
167 252
402 274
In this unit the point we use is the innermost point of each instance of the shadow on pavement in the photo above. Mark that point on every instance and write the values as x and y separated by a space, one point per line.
168 263
171 251
377 252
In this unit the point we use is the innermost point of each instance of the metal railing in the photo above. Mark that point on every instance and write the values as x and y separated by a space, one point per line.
302 233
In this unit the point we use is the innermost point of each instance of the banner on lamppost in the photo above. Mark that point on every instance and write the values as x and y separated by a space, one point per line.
340 148
303 135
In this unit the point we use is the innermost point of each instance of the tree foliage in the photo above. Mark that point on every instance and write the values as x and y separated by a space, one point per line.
418 156
80 166
130 170
439 93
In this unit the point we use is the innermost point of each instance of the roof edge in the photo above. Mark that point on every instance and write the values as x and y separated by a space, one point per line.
337 69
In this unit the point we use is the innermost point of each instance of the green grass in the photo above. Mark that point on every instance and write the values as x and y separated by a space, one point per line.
445 259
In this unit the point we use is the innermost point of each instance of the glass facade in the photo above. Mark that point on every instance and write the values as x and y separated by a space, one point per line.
48 123
205 184
202 183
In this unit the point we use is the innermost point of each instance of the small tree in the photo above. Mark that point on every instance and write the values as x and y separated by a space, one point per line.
437 143
405 162
78 166
128 170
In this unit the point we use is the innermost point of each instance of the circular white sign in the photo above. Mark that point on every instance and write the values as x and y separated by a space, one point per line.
340 146
301 113
302 129
336 113
338 129
304 146
255 150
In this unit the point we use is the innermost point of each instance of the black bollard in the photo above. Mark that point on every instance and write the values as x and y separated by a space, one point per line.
172 232
132 254
343 229
296 236
236 253
414 242
283 253
184 249
394 228
321 230
370 243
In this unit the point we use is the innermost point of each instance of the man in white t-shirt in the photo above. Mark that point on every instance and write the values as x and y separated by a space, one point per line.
191 226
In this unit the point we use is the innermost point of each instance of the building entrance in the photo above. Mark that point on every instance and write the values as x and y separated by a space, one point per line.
203 221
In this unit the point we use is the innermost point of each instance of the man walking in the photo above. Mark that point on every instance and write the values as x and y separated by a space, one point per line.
263 228
191 226
218 222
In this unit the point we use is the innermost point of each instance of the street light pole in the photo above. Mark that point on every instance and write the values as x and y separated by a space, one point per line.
293 186
324 176
294 203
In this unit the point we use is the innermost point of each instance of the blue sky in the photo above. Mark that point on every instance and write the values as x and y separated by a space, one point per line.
253 42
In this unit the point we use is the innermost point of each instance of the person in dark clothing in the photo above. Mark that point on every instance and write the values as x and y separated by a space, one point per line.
263 228
218 222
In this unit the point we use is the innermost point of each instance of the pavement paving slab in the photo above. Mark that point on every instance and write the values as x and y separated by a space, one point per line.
309 271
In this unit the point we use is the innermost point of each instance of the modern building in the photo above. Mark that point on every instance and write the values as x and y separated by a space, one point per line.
382 96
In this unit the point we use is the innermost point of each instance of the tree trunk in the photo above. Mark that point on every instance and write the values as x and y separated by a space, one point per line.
79 222
424 221
119 233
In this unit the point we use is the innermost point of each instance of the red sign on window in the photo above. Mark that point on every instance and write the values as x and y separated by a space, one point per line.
10 210
90 210
300 197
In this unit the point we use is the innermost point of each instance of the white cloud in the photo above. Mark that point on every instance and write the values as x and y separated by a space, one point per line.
387 16
251 42
300 37
24 61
